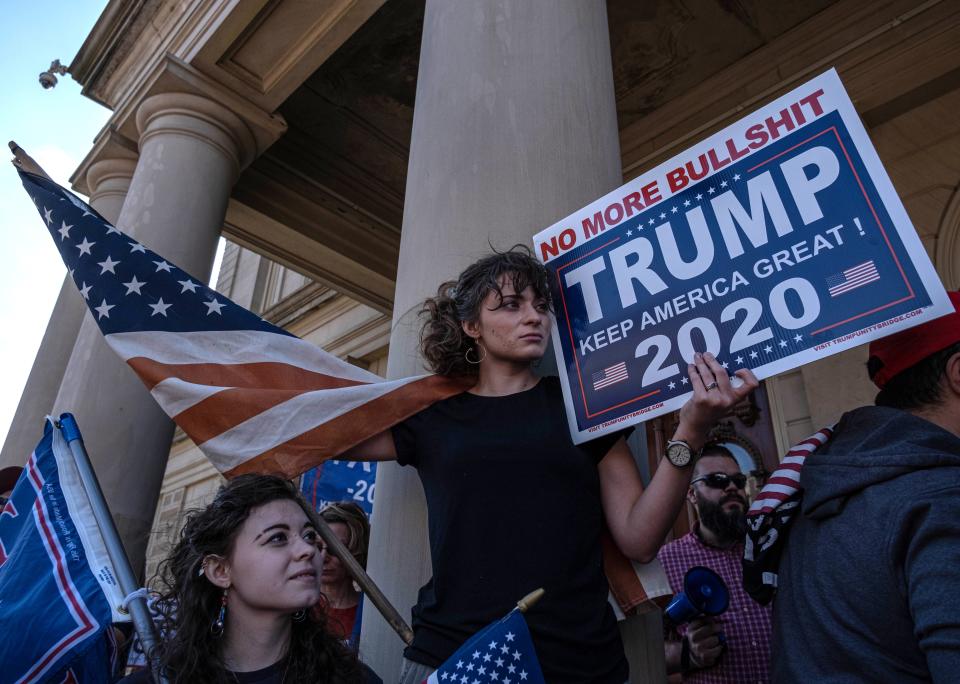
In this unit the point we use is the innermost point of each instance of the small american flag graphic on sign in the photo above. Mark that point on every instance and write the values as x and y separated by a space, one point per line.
610 375
852 278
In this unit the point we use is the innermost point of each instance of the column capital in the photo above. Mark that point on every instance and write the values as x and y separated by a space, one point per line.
109 176
109 146
201 118
231 119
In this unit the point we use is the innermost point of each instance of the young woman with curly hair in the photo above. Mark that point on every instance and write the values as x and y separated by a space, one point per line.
513 503
237 593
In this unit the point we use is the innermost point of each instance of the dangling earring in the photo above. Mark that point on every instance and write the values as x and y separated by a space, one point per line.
480 357
217 627
300 615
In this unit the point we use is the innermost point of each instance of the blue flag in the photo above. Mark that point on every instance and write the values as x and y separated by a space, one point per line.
501 653
58 590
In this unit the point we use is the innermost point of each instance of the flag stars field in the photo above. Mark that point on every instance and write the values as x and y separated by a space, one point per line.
75 231
104 309
108 264
213 306
160 308
85 246
133 287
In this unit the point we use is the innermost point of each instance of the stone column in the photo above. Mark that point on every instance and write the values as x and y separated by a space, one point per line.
108 181
191 151
515 127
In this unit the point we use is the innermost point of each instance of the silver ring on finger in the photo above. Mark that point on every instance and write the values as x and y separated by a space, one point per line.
712 385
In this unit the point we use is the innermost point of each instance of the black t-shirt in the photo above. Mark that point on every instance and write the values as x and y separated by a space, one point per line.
513 505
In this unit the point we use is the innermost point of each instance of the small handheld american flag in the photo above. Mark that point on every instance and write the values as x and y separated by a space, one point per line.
501 653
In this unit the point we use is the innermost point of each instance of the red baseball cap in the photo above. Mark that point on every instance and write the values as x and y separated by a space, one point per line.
909 347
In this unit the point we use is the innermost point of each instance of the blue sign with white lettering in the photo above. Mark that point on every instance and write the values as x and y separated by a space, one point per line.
775 242
335 481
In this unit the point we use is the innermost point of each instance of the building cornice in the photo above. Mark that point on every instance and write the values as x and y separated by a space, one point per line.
172 75
296 305
262 50
114 29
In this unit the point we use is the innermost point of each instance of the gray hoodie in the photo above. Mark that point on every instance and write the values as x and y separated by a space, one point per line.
870 575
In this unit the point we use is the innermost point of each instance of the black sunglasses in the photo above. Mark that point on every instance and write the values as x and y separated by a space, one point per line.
721 480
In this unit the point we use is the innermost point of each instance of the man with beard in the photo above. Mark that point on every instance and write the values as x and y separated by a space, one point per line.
733 647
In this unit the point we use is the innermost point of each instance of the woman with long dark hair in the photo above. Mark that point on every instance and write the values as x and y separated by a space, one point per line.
237 592
513 503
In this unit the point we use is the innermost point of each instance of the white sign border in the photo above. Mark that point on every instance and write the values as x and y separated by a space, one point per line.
834 98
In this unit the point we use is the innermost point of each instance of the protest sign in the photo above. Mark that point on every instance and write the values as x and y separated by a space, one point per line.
775 242
336 481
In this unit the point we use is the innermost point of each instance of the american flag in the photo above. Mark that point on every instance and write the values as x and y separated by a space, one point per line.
610 375
501 653
252 396
852 278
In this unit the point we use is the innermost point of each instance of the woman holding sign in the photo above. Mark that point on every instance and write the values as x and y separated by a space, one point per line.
513 503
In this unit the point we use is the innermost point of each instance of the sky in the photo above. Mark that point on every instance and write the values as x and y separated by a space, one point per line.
57 128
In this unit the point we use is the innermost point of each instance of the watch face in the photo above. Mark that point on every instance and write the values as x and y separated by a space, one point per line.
679 454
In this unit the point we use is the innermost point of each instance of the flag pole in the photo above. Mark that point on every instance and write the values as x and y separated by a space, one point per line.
367 585
139 610
25 162
530 599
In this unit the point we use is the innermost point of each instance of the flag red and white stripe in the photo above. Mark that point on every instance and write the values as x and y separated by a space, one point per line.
256 401
785 480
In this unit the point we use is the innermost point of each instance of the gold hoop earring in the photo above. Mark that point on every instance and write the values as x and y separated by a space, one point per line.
480 357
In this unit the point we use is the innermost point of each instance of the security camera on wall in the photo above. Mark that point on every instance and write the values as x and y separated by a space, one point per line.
48 78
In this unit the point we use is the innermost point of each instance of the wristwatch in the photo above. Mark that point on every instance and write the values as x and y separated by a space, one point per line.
679 453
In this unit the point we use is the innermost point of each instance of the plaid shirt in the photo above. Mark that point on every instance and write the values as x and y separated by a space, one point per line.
745 624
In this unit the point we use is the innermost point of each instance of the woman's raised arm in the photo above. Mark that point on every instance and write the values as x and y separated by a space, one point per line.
639 520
